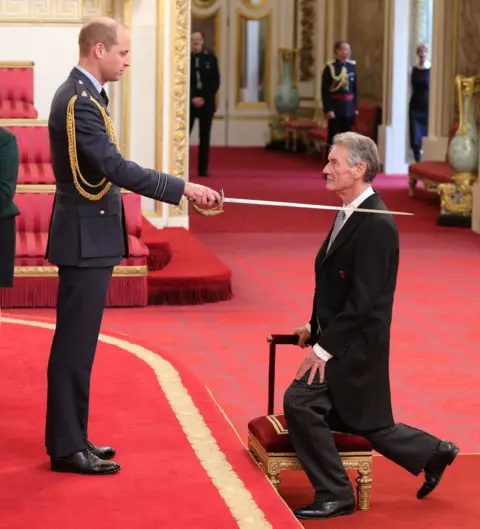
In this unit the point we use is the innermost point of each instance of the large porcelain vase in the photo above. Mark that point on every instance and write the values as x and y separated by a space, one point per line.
463 148
287 98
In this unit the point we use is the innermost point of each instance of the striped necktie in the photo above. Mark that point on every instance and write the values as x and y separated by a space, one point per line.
336 227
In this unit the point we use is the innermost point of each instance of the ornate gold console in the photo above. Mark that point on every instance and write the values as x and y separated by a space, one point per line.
463 152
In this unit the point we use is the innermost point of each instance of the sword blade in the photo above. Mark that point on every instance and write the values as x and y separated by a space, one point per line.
309 206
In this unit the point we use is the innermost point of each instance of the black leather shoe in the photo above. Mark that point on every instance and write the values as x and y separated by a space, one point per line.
83 463
325 510
434 469
103 452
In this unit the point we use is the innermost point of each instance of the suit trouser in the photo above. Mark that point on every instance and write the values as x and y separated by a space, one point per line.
81 300
337 126
310 417
205 118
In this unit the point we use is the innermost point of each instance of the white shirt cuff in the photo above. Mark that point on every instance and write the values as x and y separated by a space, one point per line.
321 353
308 327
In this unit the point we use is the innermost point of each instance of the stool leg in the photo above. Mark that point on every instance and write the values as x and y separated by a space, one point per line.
274 479
364 486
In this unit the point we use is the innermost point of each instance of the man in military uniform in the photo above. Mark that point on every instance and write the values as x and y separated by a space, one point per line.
88 235
339 92
204 85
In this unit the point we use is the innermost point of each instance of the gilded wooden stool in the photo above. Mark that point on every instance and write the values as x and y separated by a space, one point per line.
270 446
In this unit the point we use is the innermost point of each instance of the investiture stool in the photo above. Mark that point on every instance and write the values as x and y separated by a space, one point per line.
88 235
339 92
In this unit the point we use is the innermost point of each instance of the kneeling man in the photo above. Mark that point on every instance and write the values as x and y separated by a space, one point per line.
343 382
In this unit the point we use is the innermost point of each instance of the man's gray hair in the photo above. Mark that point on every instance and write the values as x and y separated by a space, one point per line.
361 149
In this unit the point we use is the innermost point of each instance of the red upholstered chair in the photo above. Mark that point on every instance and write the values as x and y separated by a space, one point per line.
16 91
298 128
431 172
270 446
368 120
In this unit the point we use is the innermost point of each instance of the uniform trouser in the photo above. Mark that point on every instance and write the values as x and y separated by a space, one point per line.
81 300
308 413
205 118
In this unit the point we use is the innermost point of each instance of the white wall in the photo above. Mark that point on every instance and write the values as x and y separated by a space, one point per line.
143 82
53 49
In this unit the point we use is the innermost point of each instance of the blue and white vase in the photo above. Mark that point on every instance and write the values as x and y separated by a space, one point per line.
287 98
463 148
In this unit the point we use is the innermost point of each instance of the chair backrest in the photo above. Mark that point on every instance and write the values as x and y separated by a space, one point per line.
16 81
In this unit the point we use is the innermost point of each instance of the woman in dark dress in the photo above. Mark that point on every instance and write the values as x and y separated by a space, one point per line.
9 162
418 109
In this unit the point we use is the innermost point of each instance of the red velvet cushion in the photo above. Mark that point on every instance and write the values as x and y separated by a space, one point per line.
36 173
366 122
435 171
31 247
271 432
133 213
16 84
36 208
300 124
319 133
33 143
17 110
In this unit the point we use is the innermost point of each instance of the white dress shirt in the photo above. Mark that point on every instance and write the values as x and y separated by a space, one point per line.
320 351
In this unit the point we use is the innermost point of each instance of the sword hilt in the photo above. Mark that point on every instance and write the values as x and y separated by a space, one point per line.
215 210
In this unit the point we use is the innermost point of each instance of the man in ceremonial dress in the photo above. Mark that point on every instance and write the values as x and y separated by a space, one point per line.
339 92
204 85
343 382
88 235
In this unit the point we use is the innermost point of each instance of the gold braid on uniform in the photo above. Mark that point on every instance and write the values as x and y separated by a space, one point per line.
340 80
72 151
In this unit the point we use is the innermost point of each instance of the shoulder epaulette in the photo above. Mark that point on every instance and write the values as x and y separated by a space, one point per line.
351 61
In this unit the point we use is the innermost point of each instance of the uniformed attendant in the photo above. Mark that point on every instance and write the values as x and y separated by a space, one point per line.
9 163
339 92
88 235
204 85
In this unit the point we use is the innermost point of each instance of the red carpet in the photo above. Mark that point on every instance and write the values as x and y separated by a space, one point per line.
454 505
162 483
434 362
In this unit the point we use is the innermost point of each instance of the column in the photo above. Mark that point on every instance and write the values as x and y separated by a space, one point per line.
442 75
393 131
168 125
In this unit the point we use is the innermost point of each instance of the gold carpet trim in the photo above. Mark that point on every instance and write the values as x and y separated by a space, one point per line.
230 487
52 271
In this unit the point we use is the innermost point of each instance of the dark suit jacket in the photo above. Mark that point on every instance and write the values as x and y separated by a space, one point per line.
354 291
87 232
9 162
210 79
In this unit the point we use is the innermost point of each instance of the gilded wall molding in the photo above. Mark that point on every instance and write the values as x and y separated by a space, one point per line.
179 89
53 11
306 52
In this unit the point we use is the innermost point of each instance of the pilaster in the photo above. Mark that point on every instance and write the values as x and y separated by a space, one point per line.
442 75
393 131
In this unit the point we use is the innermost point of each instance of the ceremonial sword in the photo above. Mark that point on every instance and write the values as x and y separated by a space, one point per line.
218 209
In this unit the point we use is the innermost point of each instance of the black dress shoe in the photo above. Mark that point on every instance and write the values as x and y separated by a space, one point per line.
434 469
325 510
103 452
203 174
83 463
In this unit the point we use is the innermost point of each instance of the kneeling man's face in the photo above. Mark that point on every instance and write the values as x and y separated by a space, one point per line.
341 175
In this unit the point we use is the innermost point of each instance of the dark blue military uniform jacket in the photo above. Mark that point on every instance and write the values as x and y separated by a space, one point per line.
88 225
339 88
